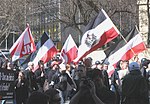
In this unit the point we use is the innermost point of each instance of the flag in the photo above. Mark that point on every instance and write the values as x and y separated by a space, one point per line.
99 31
23 46
46 50
69 50
126 48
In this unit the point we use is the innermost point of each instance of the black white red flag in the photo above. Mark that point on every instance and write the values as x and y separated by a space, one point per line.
126 48
99 32
46 51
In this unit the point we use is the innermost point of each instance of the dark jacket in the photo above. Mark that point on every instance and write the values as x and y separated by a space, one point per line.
61 81
40 80
32 81
134 89
21 90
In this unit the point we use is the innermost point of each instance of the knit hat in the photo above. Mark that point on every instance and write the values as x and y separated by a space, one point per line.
134 66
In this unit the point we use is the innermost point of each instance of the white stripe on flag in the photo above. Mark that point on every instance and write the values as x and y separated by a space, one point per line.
42 51
118 54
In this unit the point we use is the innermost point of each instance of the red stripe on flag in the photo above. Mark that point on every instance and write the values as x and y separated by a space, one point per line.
31 40
105 38
50 54
47 57
129 54
14 50
71 54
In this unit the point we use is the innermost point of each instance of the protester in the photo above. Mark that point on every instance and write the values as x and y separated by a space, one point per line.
105 94
40 74
53 96
31 78
80 99
98 65
105 74
134 86
93 91
54 69
116 81
21 89
63 80
88 63
70 88
124 70
144 65
79 74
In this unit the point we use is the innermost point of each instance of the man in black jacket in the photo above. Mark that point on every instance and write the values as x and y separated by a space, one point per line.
40 75
31 78
134 86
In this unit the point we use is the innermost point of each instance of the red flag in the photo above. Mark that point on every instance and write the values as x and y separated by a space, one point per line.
23 46
46 50
126 48
100 31
69 50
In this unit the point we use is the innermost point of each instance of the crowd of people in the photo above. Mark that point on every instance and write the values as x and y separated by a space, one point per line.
82 83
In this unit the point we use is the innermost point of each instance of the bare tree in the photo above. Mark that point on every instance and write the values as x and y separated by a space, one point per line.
11 17
72 13
148 15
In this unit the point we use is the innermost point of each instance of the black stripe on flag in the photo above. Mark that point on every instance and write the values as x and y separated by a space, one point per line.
44 38
98 19
121 42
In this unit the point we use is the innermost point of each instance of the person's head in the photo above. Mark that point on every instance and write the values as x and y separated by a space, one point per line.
54 65
105 65
144 62
9 65
21 75
98 65
134 66
38 98
88 62
97 77
53 95
62 68
119 64
68 67
125 64
81 71
41 64
31 66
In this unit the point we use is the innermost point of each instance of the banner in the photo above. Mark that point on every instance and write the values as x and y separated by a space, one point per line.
7 78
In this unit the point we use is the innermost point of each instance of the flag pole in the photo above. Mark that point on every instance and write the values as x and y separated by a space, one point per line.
126 43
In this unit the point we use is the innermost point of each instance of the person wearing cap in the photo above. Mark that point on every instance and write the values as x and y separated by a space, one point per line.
134 86
97 65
